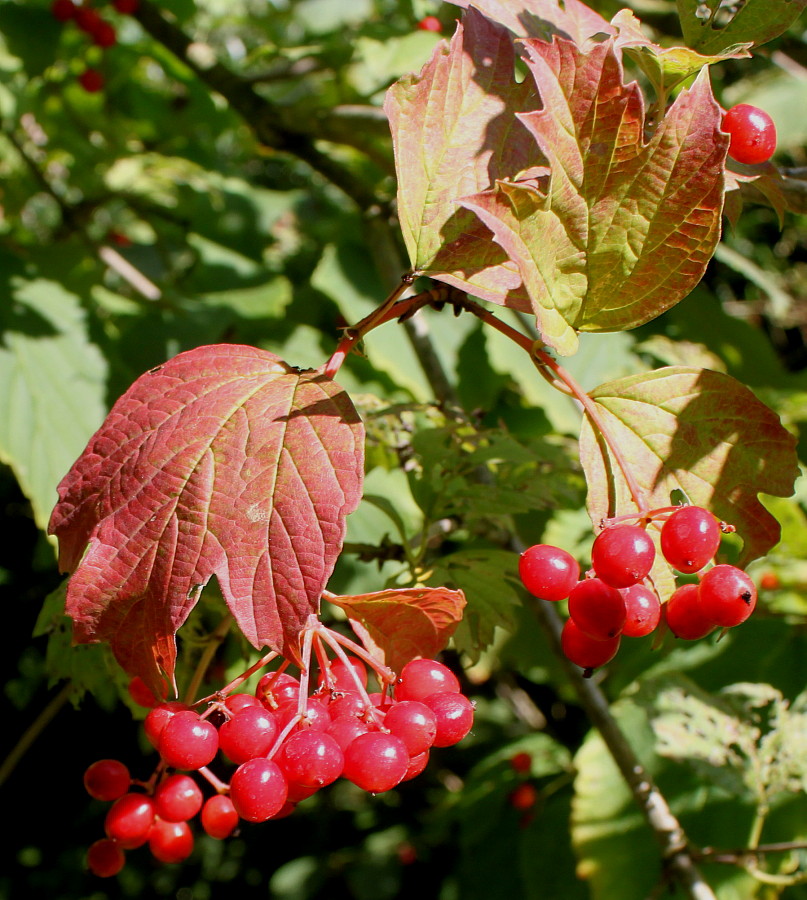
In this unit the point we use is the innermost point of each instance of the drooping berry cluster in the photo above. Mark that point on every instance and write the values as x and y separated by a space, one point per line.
273 748
101 32
616 597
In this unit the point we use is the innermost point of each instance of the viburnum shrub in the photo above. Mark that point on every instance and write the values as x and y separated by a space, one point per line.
546 195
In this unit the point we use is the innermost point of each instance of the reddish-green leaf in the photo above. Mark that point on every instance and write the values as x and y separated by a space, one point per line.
622 229
454 132
399 624
225 461
709 26
543 18
694 430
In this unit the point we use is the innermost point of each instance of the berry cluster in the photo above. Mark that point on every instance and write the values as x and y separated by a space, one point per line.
275 747
100 32
616 597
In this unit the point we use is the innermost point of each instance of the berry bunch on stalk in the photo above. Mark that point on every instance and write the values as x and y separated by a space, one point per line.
616 597
251 756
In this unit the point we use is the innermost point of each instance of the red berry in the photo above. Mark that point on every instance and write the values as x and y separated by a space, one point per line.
177 798
104 35
622 555
127 7
236 702
105 858
684 616
249 733
141 693
642 610
129 820
548 572
690 538
414 723
420 678
454 715
376 761
753 134
311 758
87 18
521 762
157 718
315 715
524 796
584 651
345 729
258 789
187 741
598 610
91 80
341 678
727 595
769 581
63 10
275 688
430 23
107 780
170 842
219 818
416 765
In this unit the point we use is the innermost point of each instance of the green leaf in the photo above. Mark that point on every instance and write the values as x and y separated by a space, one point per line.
52 383
622 229
697 431
710 27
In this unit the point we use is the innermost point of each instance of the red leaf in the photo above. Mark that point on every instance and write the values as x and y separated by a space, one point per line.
543 18
225 461
399 624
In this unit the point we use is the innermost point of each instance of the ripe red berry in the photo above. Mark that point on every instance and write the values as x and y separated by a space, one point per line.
622 555
454 715
107 780
91 80
345 729
219 818
414 723
170 842
727 595
521 762
87 19
129 820
177 798
598 609
341 678
157 718
753 134
430 23
690 538
548 572
584 651
104 35
63 10
141 693
376 761
524 796
420 678
769 581
249 733
127 7
684 616
258 789
105 858
188 741
642 610
311 758
275 688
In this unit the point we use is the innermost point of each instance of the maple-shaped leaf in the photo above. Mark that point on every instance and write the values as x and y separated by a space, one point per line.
710 26
693 430
454 132
224 461
544 19
399 624
623 229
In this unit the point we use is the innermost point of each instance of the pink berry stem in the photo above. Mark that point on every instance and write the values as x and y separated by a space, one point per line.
221 787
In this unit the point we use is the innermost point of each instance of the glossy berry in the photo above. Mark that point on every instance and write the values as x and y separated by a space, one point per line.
236 702
753 134
105 858
345 729
414 723
129 820
157 718
107 780
642 610
275 688
177 798
63 10
690 538
311 758
416 765
420 678
258 789
187 741
548 572
584 651
376 761
430 23
315 714
249 733
622 555
598 609
454 715
727 595
170 842
91 80
684 616
219 818
343 678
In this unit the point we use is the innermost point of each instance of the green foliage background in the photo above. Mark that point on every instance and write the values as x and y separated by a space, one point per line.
175 169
